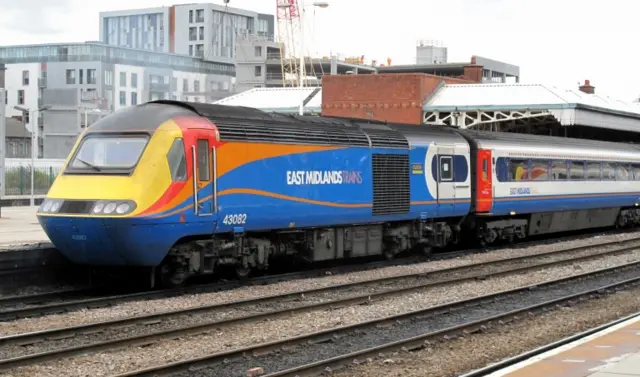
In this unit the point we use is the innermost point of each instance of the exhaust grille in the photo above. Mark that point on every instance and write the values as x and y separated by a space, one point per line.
390 184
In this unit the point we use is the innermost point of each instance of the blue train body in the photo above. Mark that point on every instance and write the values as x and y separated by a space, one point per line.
325 188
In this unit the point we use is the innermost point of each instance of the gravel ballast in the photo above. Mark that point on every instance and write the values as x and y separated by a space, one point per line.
244 335
456 357
374 336
215 315
129 309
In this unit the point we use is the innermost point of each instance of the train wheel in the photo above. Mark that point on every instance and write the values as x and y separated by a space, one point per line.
171 277
389 255
426 250
243 273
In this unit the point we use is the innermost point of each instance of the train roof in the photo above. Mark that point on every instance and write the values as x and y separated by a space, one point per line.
487 139
145 117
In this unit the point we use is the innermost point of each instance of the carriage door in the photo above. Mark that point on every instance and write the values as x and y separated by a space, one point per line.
446 185
204 173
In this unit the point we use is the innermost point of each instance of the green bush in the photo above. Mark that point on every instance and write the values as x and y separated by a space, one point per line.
18 180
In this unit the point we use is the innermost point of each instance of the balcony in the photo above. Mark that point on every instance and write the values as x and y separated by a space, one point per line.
159 87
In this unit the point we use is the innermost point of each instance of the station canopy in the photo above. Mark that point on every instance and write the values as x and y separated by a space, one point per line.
282 100
507 107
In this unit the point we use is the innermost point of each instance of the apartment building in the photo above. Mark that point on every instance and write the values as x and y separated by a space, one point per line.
80 82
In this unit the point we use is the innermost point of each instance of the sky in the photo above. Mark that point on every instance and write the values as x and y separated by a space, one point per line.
555 42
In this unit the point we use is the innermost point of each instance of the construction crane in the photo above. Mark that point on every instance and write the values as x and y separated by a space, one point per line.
289 28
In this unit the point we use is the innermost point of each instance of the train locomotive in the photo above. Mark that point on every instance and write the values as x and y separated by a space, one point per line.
182 189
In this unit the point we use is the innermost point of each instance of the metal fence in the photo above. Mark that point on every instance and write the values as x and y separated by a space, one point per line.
18 180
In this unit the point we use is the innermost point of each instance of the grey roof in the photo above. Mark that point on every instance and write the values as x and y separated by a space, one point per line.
16 129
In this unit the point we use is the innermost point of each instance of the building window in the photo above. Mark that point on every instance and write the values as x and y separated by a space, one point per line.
80 76
185 85
193 33
258 71
21 97
190 16
134 80
258 51
134 98
71 76
92 79
174 84
201 33
123 98
123 78
200 15
196 86
108 78
25 78
200 50
190 50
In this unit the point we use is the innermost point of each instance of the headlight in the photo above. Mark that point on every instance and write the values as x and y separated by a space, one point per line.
122 208
110 207
98 207
50 206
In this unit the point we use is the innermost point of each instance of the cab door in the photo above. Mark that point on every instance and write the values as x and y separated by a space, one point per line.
204 173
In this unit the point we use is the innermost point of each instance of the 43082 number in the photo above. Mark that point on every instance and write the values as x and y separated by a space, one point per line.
235 219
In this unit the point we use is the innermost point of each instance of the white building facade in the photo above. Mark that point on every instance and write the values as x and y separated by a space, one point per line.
83 81
201 30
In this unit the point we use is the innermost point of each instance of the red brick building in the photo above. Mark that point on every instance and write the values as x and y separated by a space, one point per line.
393 97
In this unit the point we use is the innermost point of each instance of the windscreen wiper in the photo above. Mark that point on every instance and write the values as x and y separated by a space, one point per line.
92 166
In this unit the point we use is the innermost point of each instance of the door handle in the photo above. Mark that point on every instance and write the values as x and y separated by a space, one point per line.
461 186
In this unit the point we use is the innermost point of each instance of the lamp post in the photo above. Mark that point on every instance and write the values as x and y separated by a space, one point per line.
317 4
34 143
3 145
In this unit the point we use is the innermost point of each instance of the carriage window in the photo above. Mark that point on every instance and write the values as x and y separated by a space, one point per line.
636 172
577 170
519 170
539 170
559 170
203 160
608 171
622 172
446 169
594 171
177 161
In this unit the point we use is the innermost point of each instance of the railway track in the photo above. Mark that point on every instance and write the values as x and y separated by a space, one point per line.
167 325
327 350
25 306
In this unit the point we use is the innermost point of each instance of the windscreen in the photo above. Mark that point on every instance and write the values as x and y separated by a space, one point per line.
112 152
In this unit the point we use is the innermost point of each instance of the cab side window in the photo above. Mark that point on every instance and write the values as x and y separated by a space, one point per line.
177 161
203 160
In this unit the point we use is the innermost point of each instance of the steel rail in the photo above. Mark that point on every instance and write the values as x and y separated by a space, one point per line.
412 343
144 339
30 338
53 308
63 307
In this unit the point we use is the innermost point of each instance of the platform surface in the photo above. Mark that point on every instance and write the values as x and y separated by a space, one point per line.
19 228
614 352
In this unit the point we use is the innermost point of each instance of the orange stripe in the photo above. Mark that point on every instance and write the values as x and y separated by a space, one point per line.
234 155
291 198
